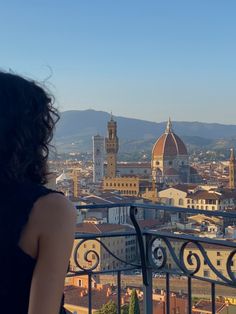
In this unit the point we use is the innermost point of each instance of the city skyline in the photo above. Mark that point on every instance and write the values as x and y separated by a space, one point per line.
146 61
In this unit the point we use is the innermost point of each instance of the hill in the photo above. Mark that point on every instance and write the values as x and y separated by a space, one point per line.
76 128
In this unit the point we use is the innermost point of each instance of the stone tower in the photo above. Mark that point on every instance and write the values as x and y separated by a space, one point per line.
112 146
98 158
232 170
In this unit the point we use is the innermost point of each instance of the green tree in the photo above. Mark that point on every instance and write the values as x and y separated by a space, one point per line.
134 303
108 308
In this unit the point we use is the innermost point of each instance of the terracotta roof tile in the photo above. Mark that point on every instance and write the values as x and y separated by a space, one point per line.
169 144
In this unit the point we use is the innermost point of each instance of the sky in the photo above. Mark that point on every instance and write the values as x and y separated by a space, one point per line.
146 59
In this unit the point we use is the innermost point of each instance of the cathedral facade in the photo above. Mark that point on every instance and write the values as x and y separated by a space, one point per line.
170 160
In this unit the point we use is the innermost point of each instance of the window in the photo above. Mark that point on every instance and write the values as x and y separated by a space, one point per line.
206 273
218 253
218 262
181 202
93 246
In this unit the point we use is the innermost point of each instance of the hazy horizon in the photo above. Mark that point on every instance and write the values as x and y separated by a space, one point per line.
161 121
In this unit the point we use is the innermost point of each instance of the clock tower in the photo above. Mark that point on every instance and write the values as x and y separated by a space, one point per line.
232 170
112 146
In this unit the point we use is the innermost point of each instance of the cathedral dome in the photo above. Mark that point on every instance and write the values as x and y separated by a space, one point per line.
169 144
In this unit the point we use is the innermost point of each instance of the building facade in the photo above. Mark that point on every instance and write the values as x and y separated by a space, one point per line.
170 160
198 197
122 246
232 170
98 158
112 147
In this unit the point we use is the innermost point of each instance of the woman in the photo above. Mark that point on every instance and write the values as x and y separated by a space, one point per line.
37 224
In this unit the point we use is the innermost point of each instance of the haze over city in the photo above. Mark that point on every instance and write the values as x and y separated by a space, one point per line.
141 59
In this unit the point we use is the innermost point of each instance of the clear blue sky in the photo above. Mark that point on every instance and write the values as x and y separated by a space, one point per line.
148 59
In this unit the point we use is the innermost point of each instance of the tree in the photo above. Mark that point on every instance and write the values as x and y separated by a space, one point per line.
108 308
134 303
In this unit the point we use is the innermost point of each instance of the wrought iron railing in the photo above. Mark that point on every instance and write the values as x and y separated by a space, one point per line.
189 255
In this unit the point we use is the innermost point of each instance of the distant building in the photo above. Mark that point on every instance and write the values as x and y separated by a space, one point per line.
112 146
232 170
218 256
122 246
98 158
139 169
113 215
170 160
198 197
129 186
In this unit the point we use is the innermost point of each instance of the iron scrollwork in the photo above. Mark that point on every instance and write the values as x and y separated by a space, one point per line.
189 263
92 264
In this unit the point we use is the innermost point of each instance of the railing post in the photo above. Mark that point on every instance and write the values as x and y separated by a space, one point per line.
147 289
213 298
118 292
167 293
89 293
189 295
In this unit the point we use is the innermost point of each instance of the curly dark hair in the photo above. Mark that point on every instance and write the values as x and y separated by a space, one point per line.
27 120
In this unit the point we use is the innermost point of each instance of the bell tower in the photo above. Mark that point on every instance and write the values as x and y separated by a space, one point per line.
112 146
232 170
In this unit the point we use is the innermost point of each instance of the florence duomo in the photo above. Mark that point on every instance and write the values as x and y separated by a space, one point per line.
170 160
169 165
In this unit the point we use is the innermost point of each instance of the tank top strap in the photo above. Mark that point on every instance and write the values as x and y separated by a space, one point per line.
19 208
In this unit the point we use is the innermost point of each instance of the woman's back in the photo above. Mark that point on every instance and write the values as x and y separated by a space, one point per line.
36 226
16 263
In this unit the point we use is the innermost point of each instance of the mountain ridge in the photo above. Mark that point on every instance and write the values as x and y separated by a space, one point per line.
76 128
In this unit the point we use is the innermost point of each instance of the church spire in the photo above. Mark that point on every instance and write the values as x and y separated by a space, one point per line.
169 126
112 116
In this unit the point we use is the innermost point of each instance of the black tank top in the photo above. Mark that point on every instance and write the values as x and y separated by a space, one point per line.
16 266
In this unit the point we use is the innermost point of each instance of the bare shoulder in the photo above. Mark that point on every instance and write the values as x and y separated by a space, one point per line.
53 211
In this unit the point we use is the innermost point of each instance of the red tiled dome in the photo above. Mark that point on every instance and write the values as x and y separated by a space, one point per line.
169 144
